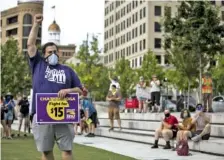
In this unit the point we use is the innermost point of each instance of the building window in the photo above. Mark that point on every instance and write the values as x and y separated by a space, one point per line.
133 33
24 43
140 45
167 43
144 28
133 61
12 20
136 47
133 48
157 43
141 14
11 32
136 32
223 15
223 2
133 4
140 30
157 27
133 18
166 61
1 23
158 11
167 11
158 57
27 19
212 2
26 31
136 62
136 16
143 44
144 12
140 61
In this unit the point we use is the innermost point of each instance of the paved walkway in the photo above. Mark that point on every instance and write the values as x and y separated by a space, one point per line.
135 150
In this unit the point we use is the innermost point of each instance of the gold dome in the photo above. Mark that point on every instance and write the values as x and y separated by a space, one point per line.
54 27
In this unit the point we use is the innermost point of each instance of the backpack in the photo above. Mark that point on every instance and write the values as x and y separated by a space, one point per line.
24 106
182 148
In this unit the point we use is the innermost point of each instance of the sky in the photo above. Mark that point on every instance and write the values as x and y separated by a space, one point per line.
76 18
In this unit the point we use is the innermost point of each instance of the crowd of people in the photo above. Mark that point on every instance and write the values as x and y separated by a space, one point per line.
10 111
45 135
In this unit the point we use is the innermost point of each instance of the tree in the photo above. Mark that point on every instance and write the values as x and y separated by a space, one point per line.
150 67
126 76
195 33
14 69
91 72
218 75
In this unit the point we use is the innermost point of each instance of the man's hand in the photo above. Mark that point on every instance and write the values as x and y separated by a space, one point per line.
62 93
38 18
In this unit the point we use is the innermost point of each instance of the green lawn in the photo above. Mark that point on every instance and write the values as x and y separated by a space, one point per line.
24 149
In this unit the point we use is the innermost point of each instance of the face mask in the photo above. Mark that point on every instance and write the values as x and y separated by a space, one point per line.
167 115
185 115
53 59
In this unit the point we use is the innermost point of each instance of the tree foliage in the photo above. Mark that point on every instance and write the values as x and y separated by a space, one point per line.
91 72
15 77
195 32
150 67
218 76
126 77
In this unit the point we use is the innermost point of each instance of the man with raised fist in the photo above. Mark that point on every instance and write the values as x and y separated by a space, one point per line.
48 76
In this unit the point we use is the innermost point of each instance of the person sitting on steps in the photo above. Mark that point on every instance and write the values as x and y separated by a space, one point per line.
202 122
186 128
167 130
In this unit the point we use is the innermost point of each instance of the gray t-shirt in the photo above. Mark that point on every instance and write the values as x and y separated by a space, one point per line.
112 102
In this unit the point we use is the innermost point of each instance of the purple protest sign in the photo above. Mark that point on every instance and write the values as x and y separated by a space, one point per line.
52 109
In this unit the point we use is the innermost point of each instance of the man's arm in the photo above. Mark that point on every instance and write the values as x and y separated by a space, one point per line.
31 43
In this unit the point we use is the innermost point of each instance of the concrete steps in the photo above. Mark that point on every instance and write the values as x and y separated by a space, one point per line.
217 130
212 146
139 127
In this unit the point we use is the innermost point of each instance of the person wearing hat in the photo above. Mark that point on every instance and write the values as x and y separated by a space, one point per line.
140 89
207 92
202 122
155 93
9 116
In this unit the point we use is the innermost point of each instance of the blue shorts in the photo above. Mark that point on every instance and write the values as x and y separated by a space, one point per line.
9 116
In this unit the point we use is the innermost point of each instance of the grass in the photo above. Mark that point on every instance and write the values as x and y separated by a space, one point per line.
23 148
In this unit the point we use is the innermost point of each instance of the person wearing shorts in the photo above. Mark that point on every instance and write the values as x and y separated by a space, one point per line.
9 115
49 76
90 115
23 115
114 98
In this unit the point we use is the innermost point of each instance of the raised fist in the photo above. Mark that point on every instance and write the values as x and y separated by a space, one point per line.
38 18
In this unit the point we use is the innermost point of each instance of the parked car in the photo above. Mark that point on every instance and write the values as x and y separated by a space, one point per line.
218 104
183 100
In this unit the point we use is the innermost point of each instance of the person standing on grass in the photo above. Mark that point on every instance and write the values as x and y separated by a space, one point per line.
9 115
48 76
3 111
23 115
114 98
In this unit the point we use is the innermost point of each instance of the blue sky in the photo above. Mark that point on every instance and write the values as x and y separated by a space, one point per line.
75 18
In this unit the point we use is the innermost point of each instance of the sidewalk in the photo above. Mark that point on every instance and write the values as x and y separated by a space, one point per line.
135 150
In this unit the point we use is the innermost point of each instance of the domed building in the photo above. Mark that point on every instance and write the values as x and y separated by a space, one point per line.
54 33
17 22
65 51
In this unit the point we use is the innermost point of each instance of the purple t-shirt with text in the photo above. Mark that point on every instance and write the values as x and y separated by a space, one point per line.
50 79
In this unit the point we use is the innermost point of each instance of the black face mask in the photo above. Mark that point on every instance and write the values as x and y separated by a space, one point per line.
167 115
